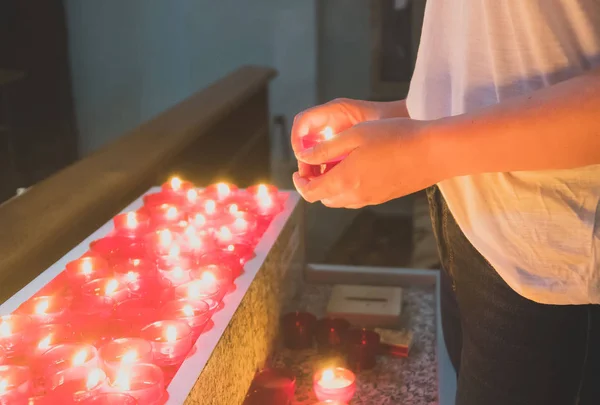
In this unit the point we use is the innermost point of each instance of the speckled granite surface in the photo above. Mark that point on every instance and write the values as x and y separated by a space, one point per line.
406 381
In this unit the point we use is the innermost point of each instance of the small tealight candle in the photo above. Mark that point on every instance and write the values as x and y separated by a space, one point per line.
15 384
144 382
110 246
103 288
222 274
67 361
195 313
14 330
298 329
205 289
110 398
222 191
152 287
336 384
45 309
131 224
176 275
85 384
177 186
86 269
162 197
124 352
166 214
362 347
135 313
171 341
45 337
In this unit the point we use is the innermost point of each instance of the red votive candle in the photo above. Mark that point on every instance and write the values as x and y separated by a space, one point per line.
144 382
298 329
131 224
97 291
206 289
243 251
362 347
124 352
274 386
223 258
166 214
109 246
45 337
330 333
69 361
334 384
89 317
176 275
110 398
177 186
195 313
83 385
14 333
86 269
151 287
129 270
224 275
45 309
171 341
134 314
220 191
15 385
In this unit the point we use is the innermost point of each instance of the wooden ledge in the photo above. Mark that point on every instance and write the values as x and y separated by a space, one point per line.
49 219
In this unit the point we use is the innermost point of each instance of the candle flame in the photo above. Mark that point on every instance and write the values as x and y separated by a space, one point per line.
45 343
192 196
130 357
177 273
327 133
131 276
87 266
3 386
240 224
171 334
195 242
188 310
199 220
231 248
175 183
79 358
262 191
42 307
131 219
210 207
111 286
327 375
208 278
174 251
94 378
225 234
190 231
223 190
165 237
136 262
123 379
233 209
171 213
5 328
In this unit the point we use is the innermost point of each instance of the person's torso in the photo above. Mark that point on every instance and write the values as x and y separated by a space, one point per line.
538 229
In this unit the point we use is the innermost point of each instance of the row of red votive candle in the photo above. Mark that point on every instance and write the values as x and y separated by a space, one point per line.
118 322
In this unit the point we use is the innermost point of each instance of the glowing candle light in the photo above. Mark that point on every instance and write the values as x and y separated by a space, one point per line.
171 341
191 196
131 276
171 213
111 287
165 238
105 292
5 328
224 235
210 207
199 220
223 190
327 133
334 384
79 358
15 384
176 276
86 269
143 382
131 220
14 330
175 183
77 388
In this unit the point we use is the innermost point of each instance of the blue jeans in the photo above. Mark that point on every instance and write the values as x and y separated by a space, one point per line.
506 349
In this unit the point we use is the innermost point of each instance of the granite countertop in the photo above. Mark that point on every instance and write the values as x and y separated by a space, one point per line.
406 381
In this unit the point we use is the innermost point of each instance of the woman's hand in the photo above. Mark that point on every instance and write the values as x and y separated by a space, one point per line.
386 159
339 115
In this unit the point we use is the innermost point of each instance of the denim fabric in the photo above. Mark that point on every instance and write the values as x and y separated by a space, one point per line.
505 348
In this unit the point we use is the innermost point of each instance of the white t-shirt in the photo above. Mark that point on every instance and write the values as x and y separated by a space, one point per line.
540 230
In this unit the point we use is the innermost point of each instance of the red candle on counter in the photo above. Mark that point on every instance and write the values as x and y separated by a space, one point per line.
221 191
243 251
45 309
195 313
275 386
223 275
205 289
150 287
135 313
15 385
330 333
166 215
86 269
142 381
298 329
69 361
98 291
171 341
86 383
177 186
45 337
14 333
334 384
124 352
362 347
128 270
131 224
110 398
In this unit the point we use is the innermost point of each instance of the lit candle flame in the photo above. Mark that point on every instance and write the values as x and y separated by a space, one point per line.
130 357
231 248
262 191
45 343
86 266
190 231
171 213
195 242
240 224
208 278
192 196
111 286
123 379
177 273
79 358
94 378
223 190
175 183
42 307
171 334
188 310
233 209
5 328
210 207
136 262
225 234
131 219
3 386
327 375
165 237
199 220
327 133
131 276
174 251
265 202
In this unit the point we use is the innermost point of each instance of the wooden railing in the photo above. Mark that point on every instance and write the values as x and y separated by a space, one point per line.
219 132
